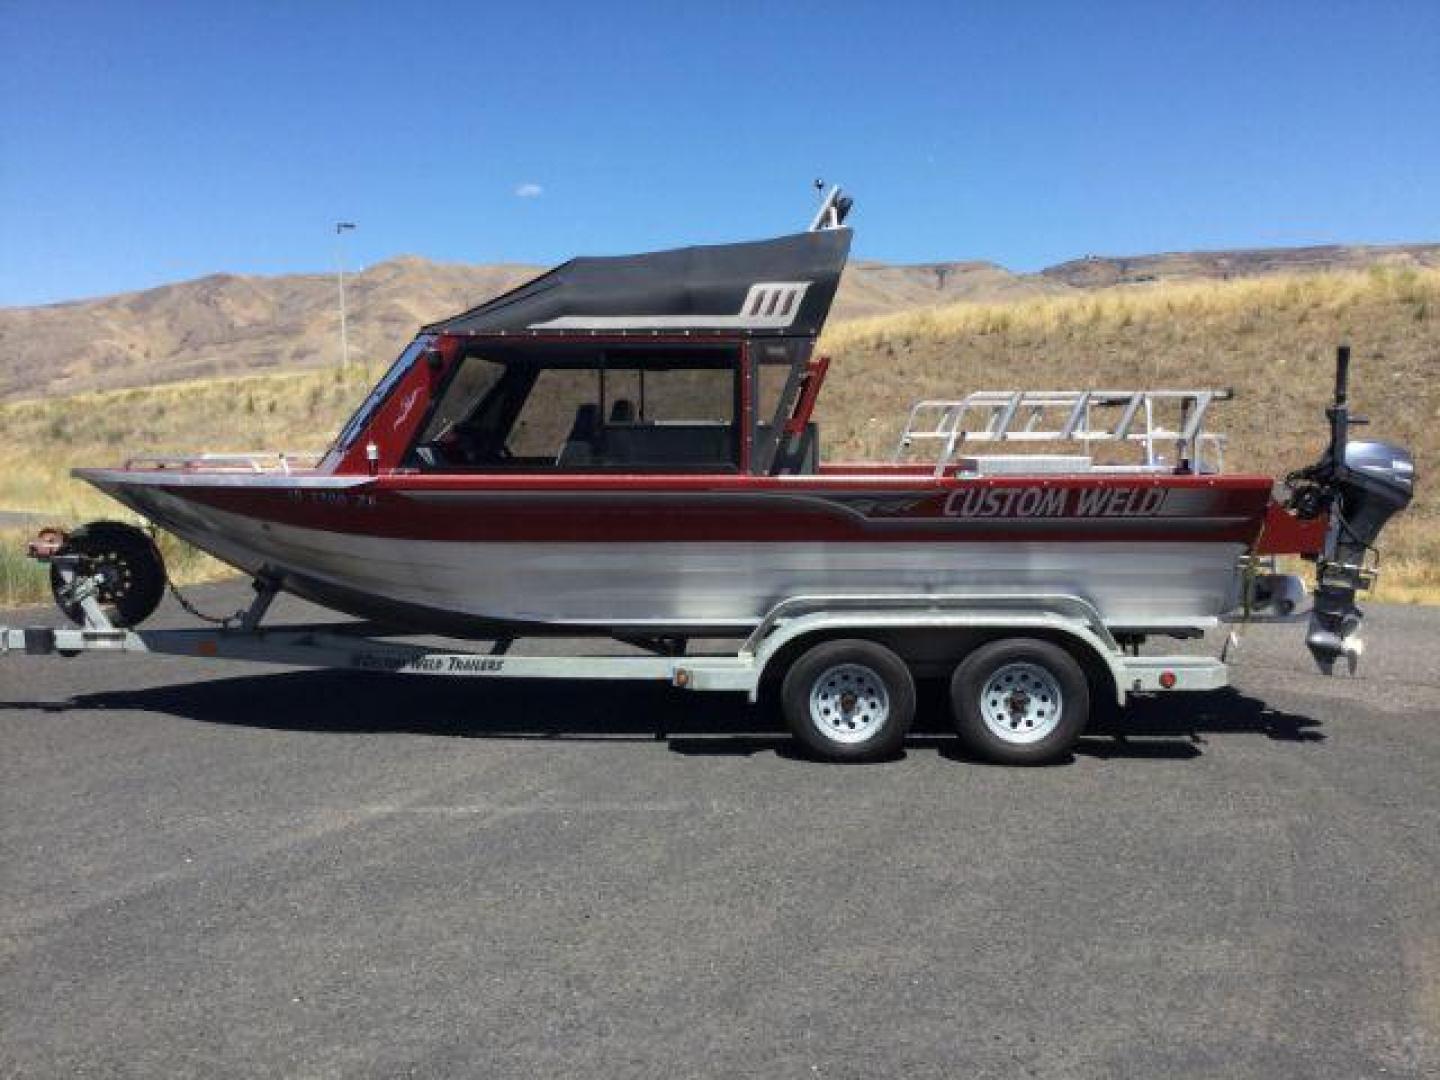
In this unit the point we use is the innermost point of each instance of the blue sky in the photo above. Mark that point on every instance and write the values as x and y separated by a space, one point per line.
148 142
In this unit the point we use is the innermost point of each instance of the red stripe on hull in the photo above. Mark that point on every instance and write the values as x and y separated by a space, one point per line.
681 510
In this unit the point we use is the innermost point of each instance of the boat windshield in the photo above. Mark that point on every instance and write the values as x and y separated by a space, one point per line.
379 394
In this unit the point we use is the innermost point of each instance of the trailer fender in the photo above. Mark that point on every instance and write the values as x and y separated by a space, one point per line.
793 636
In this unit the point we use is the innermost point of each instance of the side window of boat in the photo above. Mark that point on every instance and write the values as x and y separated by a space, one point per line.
690 396
666 413
562 409
476 377
583 410
771 381
645 413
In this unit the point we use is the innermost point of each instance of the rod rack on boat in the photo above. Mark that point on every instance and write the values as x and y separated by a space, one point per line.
1073 416
268 461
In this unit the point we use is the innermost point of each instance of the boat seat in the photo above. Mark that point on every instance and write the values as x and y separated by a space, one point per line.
579 448
622 412
669 444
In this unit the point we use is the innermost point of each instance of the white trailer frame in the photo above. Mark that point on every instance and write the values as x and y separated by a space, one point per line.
355 647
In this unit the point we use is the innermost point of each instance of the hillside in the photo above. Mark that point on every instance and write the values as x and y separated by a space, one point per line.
227 324
1272 339
1098 272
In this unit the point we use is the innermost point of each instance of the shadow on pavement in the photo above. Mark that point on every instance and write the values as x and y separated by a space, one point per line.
1162 728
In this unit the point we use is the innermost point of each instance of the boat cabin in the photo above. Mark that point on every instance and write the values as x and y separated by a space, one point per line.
572 407
694 360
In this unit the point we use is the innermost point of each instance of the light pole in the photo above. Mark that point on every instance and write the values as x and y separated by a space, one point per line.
340 228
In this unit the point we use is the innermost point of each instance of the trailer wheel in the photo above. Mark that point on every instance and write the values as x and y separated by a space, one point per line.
131 572
849 700
1020 701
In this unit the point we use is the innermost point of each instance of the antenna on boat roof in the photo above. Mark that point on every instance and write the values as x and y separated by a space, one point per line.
834 208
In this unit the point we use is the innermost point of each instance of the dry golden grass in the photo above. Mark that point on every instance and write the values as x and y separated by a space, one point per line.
21 580
1272 339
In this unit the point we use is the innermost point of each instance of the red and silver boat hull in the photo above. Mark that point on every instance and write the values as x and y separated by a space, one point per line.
687 555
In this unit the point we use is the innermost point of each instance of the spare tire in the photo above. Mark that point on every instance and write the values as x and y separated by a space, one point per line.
129 567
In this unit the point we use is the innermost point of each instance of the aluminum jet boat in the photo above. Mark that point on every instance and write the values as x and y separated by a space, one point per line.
625 446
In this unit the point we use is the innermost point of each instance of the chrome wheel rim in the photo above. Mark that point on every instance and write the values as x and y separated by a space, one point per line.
849 703
1021 703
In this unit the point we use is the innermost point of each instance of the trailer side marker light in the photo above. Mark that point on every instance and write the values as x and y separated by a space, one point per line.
1167 679
206 648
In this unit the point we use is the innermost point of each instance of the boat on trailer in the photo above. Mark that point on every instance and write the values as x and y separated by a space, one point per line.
626 447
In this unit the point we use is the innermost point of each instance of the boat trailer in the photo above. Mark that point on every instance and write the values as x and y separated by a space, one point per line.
360 646
1038 640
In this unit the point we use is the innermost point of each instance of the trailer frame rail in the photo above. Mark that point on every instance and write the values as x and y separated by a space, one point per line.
359 647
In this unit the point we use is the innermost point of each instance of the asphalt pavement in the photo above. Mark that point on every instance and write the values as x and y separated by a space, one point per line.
217 869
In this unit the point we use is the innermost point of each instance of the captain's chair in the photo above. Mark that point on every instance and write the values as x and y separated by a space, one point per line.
580 445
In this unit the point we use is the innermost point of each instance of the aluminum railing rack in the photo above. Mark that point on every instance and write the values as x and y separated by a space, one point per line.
1070 416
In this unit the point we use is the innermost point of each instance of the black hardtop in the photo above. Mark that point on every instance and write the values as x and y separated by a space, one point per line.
775 288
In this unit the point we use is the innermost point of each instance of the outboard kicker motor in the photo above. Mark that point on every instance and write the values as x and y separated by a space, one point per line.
1361 485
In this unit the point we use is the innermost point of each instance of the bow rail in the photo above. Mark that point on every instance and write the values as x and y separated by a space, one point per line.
270 461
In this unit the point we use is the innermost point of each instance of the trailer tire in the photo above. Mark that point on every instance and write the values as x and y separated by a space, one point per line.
849 700
1020 701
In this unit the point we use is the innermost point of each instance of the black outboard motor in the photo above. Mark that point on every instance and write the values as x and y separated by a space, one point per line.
1361 485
